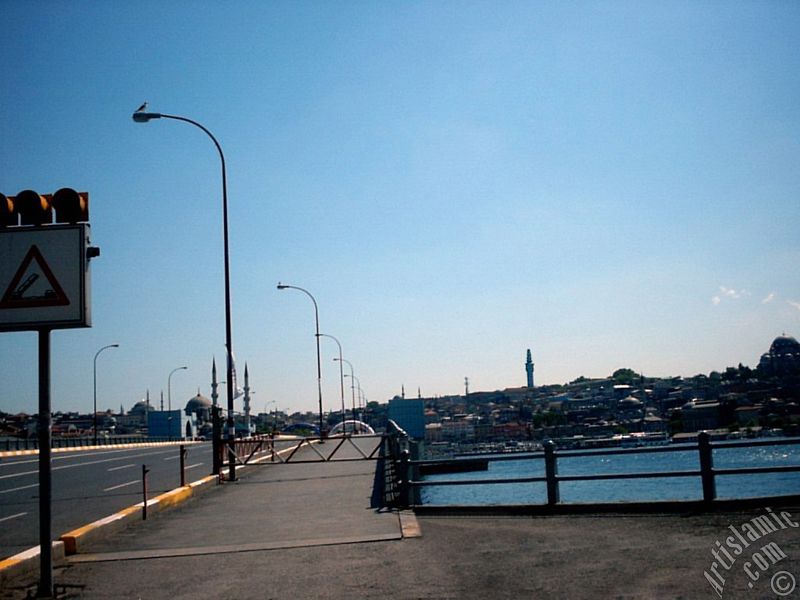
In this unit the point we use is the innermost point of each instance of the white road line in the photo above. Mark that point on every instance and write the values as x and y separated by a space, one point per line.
171 458
121 485
13 517
193 466
36 472
121 467
80 455
16 489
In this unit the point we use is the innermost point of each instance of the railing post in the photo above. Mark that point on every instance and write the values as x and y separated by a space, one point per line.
706 466
404 471
551 472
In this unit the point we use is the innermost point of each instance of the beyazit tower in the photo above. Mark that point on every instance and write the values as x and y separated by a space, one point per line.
529 369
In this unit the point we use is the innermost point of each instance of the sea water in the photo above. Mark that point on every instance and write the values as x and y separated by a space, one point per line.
624 490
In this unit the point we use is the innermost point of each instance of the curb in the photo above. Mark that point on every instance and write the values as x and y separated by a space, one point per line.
27 563
74 540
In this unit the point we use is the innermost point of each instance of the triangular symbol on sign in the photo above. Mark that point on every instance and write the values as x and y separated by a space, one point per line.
34 285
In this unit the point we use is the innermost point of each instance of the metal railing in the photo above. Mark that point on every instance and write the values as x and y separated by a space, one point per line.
391 450
707 472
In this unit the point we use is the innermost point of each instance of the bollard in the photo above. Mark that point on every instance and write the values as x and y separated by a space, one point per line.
183 465
706 466
145 471
216 441
551 472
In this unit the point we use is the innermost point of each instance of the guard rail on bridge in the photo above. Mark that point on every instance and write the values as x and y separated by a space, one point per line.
389 449
552 479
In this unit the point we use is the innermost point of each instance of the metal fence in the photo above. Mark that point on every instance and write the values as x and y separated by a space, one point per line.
390 449
707 472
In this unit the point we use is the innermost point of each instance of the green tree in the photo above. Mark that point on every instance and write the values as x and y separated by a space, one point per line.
625 376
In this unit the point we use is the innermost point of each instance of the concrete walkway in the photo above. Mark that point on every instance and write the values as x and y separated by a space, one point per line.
307 531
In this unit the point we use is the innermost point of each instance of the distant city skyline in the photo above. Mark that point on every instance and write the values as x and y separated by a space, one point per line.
609 184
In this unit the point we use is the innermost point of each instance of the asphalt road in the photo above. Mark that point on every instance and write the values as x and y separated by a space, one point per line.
87 485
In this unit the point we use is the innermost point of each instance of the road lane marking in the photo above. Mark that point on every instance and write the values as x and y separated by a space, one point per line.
152 451
13 517
16 489
121 467
171 458
121 485
193 466
81 464
36 472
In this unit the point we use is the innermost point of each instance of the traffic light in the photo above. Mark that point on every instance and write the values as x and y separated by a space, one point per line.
31 208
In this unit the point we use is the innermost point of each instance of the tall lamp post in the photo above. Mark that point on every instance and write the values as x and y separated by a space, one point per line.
282 286
358 381
169 399
352 386
140 116
341 376
94 415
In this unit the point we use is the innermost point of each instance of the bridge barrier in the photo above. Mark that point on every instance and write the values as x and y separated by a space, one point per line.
707 472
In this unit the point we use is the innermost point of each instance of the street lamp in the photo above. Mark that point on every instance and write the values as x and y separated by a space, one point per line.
94 415
282 286
169 399
352 385
358 381
140 116
169 386
341 376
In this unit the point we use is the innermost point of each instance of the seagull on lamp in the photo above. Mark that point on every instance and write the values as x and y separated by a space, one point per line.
142 108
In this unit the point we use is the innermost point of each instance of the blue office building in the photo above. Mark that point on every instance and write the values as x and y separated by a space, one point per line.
171 424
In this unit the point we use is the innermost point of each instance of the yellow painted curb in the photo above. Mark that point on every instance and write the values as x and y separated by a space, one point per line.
26 562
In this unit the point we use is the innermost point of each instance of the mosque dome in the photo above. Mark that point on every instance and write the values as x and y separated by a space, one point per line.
198 404
783 345
629 403
140 408
783 356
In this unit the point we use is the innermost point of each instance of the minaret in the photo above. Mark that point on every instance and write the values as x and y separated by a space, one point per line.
529 369
214 393
246 400
466 386
162 400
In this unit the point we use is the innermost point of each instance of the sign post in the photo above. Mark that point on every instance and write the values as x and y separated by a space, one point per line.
45 472
44 285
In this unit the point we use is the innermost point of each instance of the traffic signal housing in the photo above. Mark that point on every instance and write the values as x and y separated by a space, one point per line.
31 208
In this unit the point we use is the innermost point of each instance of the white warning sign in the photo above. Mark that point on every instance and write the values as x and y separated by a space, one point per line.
44 278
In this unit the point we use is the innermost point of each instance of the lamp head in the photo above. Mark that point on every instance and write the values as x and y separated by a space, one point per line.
282 286
144 117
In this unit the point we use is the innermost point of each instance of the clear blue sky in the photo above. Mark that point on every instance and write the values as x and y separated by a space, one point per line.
611 184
